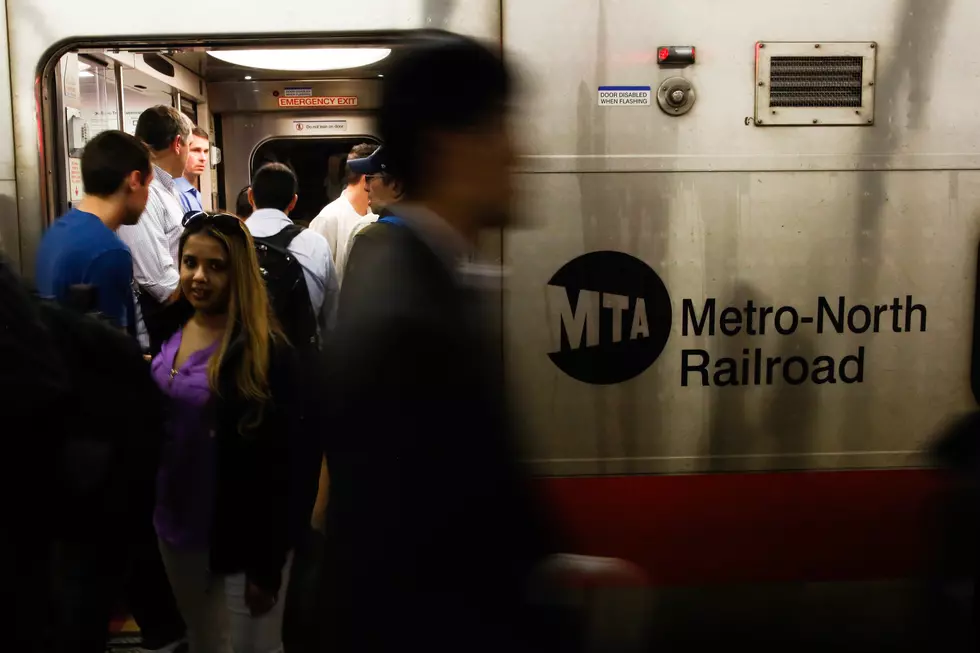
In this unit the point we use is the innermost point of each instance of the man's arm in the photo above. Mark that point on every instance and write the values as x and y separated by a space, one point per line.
112 274
331 292
322 496
153 267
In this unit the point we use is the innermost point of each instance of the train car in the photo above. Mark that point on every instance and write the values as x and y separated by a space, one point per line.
738 303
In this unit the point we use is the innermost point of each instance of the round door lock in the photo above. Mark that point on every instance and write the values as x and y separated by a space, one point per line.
675 96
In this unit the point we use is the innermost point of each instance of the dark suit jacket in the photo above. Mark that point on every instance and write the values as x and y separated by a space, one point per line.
432 526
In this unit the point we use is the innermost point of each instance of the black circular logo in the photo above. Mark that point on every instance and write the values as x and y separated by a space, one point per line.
612 313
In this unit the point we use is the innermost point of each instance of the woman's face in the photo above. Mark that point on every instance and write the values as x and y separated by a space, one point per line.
204 273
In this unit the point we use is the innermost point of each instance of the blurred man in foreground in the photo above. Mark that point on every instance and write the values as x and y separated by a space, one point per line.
435 532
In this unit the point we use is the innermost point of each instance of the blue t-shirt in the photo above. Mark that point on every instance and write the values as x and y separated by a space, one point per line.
80 249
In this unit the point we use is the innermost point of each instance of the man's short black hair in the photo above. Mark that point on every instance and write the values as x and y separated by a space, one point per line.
274 186
109 158
448 86
159 126
243 208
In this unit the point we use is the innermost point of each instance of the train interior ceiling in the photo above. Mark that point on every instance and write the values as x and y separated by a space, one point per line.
302 104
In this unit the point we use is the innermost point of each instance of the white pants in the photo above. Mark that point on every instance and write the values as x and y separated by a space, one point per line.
214 609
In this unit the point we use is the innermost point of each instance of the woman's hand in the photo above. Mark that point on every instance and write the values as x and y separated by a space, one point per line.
259 601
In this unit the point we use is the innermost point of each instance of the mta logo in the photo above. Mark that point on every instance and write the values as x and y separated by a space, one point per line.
611 317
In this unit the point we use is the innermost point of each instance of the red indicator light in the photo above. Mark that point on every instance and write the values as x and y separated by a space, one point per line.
675 55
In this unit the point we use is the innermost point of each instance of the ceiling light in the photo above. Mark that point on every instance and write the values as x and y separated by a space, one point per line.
248 77
299 59
83 66
85 73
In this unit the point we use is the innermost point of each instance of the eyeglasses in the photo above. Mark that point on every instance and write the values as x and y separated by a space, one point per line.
223 222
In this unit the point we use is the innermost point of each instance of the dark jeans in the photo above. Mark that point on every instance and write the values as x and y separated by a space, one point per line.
90 577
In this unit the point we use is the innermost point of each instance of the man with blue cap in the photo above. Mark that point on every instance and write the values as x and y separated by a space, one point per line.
384 190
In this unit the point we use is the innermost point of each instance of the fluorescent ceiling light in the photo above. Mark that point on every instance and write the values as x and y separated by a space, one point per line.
85 73
301 59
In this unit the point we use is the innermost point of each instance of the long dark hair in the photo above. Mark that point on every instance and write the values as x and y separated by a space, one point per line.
249 309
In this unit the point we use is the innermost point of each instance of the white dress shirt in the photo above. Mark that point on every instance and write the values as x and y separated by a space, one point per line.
312 252
336 222
154 242
155 239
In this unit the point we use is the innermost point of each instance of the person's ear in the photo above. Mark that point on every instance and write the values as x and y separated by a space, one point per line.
135 180
251 198
292 205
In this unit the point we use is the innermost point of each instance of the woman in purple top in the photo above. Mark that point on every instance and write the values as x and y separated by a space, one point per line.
238 478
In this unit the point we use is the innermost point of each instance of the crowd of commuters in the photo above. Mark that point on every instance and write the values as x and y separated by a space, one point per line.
314 448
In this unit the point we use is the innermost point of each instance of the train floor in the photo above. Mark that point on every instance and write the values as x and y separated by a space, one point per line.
865 617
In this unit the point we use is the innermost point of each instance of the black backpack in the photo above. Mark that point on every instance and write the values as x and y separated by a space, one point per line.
286 283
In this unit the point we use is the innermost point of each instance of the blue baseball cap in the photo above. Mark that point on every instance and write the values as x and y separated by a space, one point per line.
370 165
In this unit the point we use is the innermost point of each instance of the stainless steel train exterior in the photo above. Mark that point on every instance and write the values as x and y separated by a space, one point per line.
732 318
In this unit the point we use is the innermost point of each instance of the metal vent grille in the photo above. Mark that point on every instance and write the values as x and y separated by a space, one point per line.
833 82
817 84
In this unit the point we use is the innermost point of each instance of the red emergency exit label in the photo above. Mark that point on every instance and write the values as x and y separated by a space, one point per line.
319 101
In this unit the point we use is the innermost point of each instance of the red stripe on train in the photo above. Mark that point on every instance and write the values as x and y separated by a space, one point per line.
778 527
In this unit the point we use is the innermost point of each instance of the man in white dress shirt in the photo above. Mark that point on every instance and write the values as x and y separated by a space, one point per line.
154 240
273 196
337 220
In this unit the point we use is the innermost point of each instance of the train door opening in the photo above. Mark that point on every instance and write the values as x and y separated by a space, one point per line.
254 111
319 164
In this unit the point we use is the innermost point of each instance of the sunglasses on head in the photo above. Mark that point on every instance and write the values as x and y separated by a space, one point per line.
224 222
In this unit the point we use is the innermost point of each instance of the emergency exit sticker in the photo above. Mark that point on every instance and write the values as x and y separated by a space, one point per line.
625 96
318 101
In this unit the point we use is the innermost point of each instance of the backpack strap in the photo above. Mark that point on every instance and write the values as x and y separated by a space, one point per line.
392 219
280 242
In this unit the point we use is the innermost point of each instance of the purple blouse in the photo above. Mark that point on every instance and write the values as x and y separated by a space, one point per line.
186 478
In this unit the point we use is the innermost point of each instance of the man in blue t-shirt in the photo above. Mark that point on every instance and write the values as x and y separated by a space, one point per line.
82 247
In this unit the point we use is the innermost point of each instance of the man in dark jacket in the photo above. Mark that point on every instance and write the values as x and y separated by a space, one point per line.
106 464
81 473
434 531
34 385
